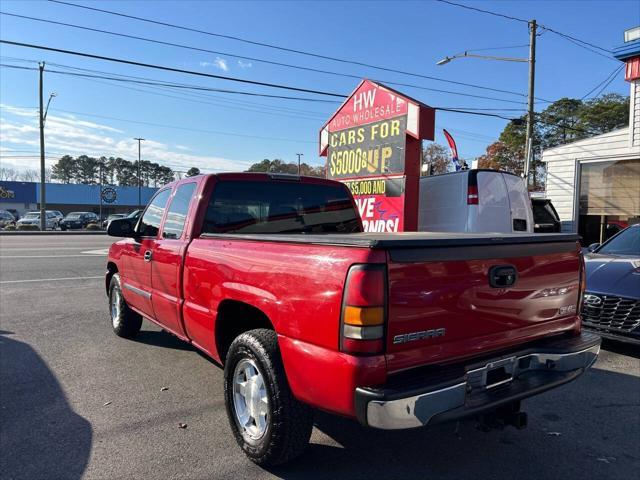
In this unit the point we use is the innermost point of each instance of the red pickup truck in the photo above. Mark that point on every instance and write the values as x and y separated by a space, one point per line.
273 277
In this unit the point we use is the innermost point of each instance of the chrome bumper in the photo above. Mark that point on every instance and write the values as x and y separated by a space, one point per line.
520 375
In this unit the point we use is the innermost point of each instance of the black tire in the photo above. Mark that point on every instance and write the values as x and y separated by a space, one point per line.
125 322
288 422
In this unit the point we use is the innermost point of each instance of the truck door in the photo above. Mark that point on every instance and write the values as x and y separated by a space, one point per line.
136 280
168 254
492 212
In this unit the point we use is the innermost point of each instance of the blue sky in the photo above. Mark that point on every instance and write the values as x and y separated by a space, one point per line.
410 36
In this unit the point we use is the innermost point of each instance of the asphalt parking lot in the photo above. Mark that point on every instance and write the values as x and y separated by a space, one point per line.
78 402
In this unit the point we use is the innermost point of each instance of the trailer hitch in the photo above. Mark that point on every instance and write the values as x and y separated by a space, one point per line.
508 415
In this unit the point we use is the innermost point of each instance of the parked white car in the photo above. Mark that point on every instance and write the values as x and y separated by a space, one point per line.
33 218
474 201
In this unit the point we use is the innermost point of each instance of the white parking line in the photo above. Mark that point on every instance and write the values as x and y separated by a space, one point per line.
102 251
48 279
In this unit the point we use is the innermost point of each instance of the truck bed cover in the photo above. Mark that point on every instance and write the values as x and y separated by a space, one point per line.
403 240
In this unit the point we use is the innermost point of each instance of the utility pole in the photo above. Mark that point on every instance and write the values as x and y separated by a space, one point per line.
100 189
528 144
139 177
299 155
43 207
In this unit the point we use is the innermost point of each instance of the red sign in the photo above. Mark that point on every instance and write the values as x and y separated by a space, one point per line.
373 144
371 103
380 203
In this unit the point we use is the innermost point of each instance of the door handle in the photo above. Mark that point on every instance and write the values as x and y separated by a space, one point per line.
147 256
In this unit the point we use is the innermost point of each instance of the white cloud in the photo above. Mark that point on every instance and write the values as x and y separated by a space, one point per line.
70 135
219 62
242 64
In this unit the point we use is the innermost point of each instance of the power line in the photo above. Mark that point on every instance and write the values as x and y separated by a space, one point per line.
522 20
613 77
585 47
286 49
171 84
189 47
176 127
170 69
192 97
193 87
467 7
454 110
163 84
610 76
574 39
577 41
233 55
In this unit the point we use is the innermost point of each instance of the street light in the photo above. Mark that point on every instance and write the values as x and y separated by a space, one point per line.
532 74
446 60
46 110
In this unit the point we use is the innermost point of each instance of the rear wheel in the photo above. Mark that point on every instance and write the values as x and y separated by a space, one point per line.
125 322
269 424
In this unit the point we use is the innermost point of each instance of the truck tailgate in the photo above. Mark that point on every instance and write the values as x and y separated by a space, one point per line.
442 307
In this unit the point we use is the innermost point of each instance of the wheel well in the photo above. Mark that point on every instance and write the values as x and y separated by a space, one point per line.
235 318
111 269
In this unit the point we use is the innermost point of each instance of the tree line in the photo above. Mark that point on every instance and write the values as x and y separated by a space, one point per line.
279 166
114 171
563 121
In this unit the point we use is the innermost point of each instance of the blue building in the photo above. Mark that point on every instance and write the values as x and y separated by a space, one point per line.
25 196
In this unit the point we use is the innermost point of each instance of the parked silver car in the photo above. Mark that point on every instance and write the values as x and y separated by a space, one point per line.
33 218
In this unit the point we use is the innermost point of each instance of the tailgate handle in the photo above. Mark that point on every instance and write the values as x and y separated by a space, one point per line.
501 276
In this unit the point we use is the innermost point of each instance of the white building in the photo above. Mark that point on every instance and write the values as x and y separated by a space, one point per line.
594 183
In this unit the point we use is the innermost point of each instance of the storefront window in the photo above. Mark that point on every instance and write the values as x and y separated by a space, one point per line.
609 198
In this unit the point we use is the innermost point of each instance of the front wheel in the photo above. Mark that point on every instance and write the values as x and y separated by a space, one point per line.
125 322
269 424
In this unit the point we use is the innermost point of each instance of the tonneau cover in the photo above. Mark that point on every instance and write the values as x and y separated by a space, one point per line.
403 240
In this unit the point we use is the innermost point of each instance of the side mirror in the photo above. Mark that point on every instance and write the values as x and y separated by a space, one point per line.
593 247
122 227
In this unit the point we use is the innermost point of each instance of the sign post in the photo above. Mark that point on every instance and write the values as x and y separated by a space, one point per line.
373 144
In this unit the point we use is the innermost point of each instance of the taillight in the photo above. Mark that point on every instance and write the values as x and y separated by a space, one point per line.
362 323
472 195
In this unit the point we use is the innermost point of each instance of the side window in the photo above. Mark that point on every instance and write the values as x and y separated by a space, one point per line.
150 222
177 213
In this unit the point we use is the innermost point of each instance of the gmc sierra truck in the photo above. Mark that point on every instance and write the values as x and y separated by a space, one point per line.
273 277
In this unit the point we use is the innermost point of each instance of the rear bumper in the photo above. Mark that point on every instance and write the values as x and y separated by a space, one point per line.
419 398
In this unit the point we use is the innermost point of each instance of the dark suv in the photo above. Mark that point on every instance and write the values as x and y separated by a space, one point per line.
545 217
78 220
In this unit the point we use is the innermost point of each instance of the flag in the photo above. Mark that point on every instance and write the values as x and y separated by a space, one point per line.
454 149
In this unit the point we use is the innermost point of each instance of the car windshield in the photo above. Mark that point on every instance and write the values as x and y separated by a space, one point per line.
74 215
32 215
113 217
626 242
